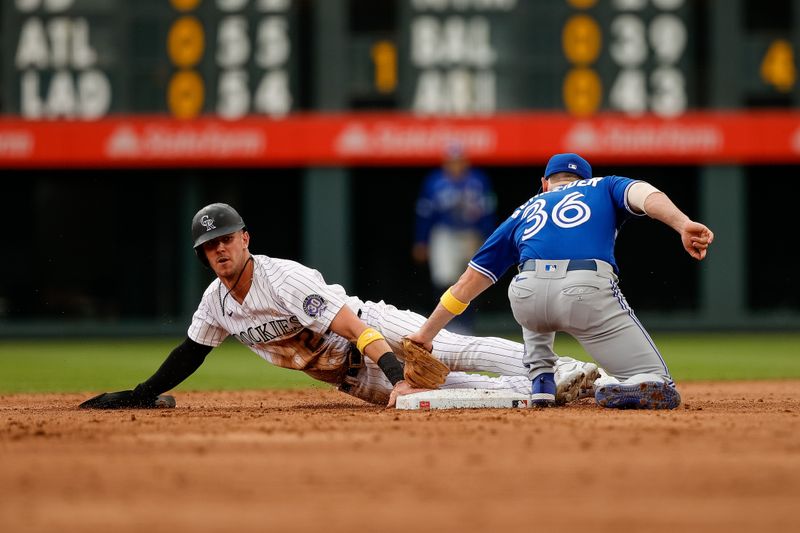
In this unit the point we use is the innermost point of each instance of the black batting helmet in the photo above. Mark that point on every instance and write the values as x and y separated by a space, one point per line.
212 221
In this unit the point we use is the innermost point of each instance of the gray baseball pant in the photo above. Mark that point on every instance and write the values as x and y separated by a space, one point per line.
588 305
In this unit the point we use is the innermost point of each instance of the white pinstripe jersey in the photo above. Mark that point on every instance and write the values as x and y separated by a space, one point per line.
284 318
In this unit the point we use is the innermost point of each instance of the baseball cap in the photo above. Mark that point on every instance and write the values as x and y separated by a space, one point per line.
568 162
454 150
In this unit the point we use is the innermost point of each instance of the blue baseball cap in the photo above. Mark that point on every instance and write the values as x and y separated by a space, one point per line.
568 163
454 150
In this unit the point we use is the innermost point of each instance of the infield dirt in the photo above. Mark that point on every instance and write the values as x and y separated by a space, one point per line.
316 460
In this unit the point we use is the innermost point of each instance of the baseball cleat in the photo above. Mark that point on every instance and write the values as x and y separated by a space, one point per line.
543 390
165 401
644 395
591 374
575 380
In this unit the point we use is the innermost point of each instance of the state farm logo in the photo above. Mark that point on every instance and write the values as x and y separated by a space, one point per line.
393 140
796 141
626 137
15 144
186 141
354 139
123 142
582 138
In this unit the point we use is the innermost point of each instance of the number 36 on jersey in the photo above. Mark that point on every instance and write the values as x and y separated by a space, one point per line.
569 212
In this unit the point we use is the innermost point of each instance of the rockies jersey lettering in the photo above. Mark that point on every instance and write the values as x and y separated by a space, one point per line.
285 317
578 220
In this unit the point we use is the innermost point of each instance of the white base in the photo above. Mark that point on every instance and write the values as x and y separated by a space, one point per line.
463 399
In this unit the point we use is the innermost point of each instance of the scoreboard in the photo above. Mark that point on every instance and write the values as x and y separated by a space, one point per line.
633 56
89 58
531 62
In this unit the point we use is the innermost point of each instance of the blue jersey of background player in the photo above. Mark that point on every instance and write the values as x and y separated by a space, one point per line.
454 214
460 200
563 242
577 220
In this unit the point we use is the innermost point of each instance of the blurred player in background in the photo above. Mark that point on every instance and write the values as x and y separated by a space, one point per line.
562 241
287 314
455 213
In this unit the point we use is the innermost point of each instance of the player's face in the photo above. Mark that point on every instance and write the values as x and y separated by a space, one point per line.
227 254
456 167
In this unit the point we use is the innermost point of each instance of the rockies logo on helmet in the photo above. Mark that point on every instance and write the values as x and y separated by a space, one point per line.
208 222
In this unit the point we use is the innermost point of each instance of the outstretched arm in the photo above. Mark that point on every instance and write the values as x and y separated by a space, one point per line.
695 236
179 365
469 286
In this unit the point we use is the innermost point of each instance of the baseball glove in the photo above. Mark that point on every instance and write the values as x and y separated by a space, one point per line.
127 399
422 370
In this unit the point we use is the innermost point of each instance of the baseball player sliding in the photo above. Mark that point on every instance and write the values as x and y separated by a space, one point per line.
562 241
288 315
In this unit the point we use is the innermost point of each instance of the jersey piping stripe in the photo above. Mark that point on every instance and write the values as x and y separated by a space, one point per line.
616 293
644 331
483 271
627 205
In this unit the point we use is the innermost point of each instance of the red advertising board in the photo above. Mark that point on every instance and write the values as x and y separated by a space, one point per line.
357 139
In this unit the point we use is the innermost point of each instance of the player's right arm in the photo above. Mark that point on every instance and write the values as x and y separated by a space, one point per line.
179 365
488 264
204 334
453 302
695 236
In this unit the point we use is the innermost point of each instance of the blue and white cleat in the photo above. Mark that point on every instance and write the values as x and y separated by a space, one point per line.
543 390
642 395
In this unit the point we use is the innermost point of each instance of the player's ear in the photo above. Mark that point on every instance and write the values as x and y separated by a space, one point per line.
245 238
545 184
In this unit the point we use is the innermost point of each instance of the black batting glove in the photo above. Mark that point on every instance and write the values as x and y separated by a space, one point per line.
126 399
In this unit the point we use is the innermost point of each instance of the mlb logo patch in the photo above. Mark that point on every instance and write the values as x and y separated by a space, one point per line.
550 268
573 166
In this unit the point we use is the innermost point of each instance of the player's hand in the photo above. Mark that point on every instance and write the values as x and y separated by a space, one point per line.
127 399
401 388
696 238
422 341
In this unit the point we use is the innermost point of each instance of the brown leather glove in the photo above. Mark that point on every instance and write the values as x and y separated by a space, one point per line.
422 370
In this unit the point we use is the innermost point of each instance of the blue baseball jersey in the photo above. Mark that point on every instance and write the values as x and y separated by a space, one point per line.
577 220
466 203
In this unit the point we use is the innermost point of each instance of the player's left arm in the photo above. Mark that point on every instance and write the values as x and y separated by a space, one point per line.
346 324
695 237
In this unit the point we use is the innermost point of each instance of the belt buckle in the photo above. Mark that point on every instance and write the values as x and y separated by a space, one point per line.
355 362
354 358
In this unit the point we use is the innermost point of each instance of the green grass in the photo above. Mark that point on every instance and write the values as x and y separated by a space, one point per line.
101 365
96 365
719 356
